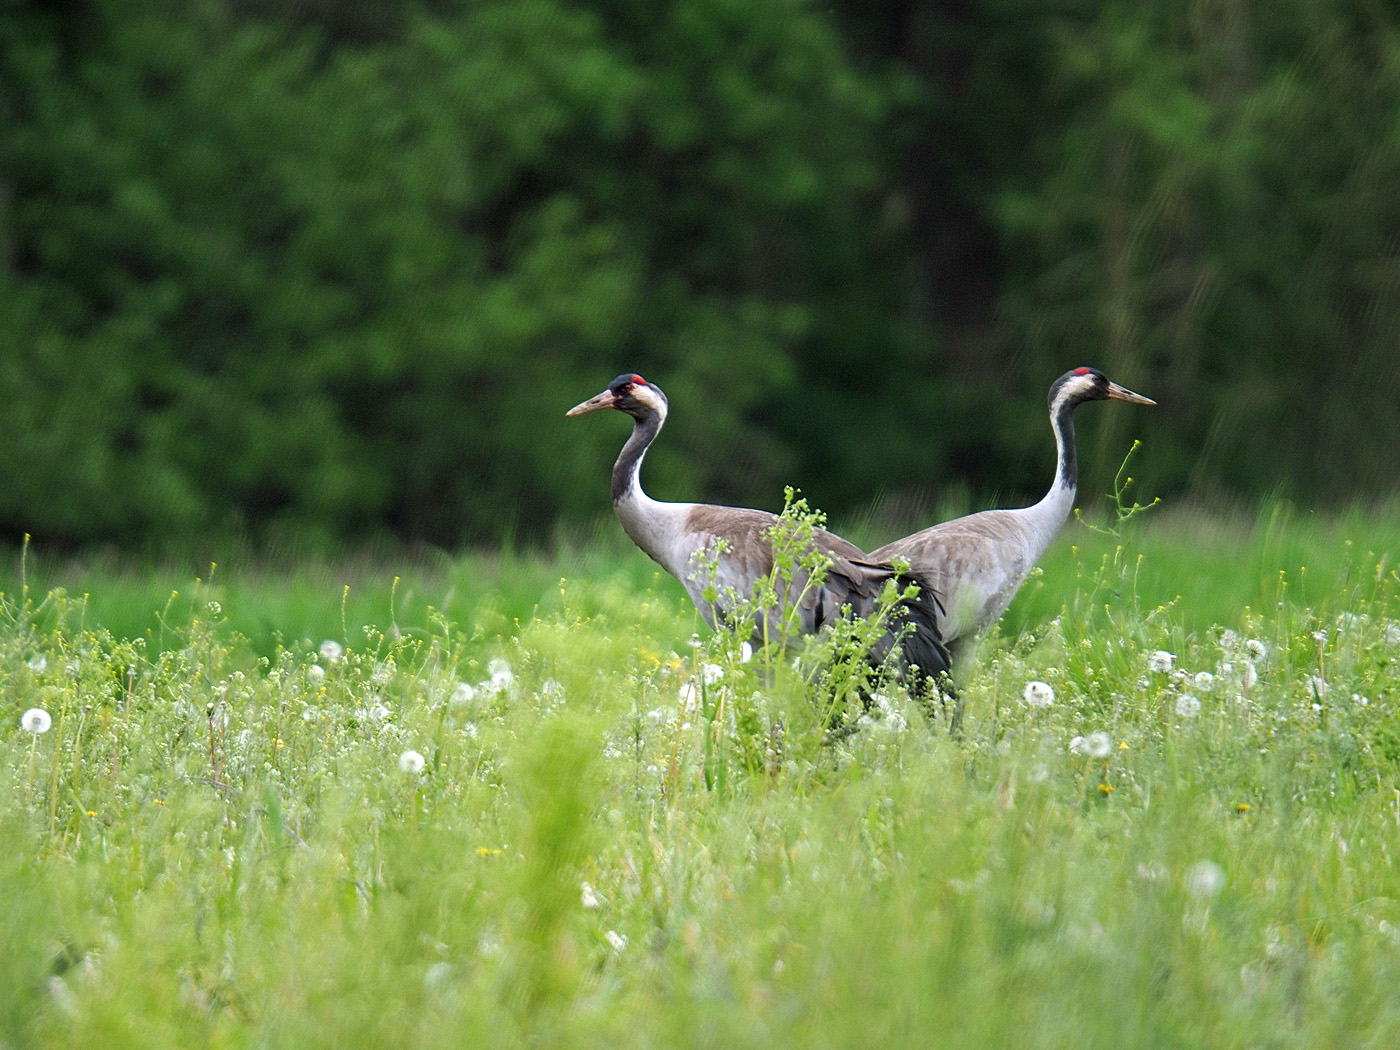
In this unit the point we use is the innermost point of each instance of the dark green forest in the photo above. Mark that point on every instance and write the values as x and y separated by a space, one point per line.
330 270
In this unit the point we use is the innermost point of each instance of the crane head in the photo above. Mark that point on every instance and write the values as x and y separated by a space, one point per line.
628 393
1089 384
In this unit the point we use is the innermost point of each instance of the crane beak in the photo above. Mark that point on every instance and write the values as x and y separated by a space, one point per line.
604 400
1122 393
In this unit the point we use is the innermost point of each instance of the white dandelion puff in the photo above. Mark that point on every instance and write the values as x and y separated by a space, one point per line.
695 641
332 650
1320 637
39 663
712 672
688 695
36 720
589 897
1205 681
378 711
1038 694
1160 662
616 941
501 674
1229 639
1187 706
411 762
1079 746
1319 685
1392 634
1256 650
1205 879
464 693
1098 744
1251 675
316 673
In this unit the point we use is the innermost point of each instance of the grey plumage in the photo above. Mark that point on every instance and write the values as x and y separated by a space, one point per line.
682 539
977 563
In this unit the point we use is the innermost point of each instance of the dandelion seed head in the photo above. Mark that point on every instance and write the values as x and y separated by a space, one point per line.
1187 706
501 674
316 673
1392 634
688 695
464 693
1098 744
712 672
1205 879
1256 650
1038 694
39 663
1229 639
1205 681
1320 637
1318 684
411 762
332 651
1250 676
378 711
1078 746
1160 662
36 720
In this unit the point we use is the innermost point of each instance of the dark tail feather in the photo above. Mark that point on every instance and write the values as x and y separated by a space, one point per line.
927 664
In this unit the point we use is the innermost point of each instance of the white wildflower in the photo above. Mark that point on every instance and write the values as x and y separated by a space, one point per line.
745 652
332 650
1363 701
712 672
1187 706
1099 744
1205 681
36 720
1039 694
411 762
589 897
616 941
1160 661
1205 879
39 663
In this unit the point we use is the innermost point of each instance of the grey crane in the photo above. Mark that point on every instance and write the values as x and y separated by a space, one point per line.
977 563
687 539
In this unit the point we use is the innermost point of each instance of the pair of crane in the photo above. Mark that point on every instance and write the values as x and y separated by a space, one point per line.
967 570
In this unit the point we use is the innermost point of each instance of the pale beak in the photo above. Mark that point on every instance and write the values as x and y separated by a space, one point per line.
604 400
1122 393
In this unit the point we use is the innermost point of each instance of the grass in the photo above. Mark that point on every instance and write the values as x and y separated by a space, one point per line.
217 843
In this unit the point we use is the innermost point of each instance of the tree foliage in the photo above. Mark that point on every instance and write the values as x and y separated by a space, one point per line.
332 269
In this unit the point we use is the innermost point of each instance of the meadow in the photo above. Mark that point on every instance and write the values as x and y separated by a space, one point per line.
529 799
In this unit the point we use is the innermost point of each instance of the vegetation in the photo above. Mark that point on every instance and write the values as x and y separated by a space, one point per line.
327 271
1168 822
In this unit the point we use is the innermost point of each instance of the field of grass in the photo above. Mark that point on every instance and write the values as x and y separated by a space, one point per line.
504 800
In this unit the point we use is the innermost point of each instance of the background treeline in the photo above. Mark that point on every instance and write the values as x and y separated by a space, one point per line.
331 268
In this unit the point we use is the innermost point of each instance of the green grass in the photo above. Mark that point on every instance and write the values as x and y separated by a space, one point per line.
215 843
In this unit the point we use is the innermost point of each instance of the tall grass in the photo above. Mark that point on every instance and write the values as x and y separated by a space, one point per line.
228 842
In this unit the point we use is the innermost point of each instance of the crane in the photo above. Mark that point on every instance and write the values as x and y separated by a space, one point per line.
977 563
731 548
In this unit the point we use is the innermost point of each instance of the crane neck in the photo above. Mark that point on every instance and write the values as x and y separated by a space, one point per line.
1052 510
626 477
